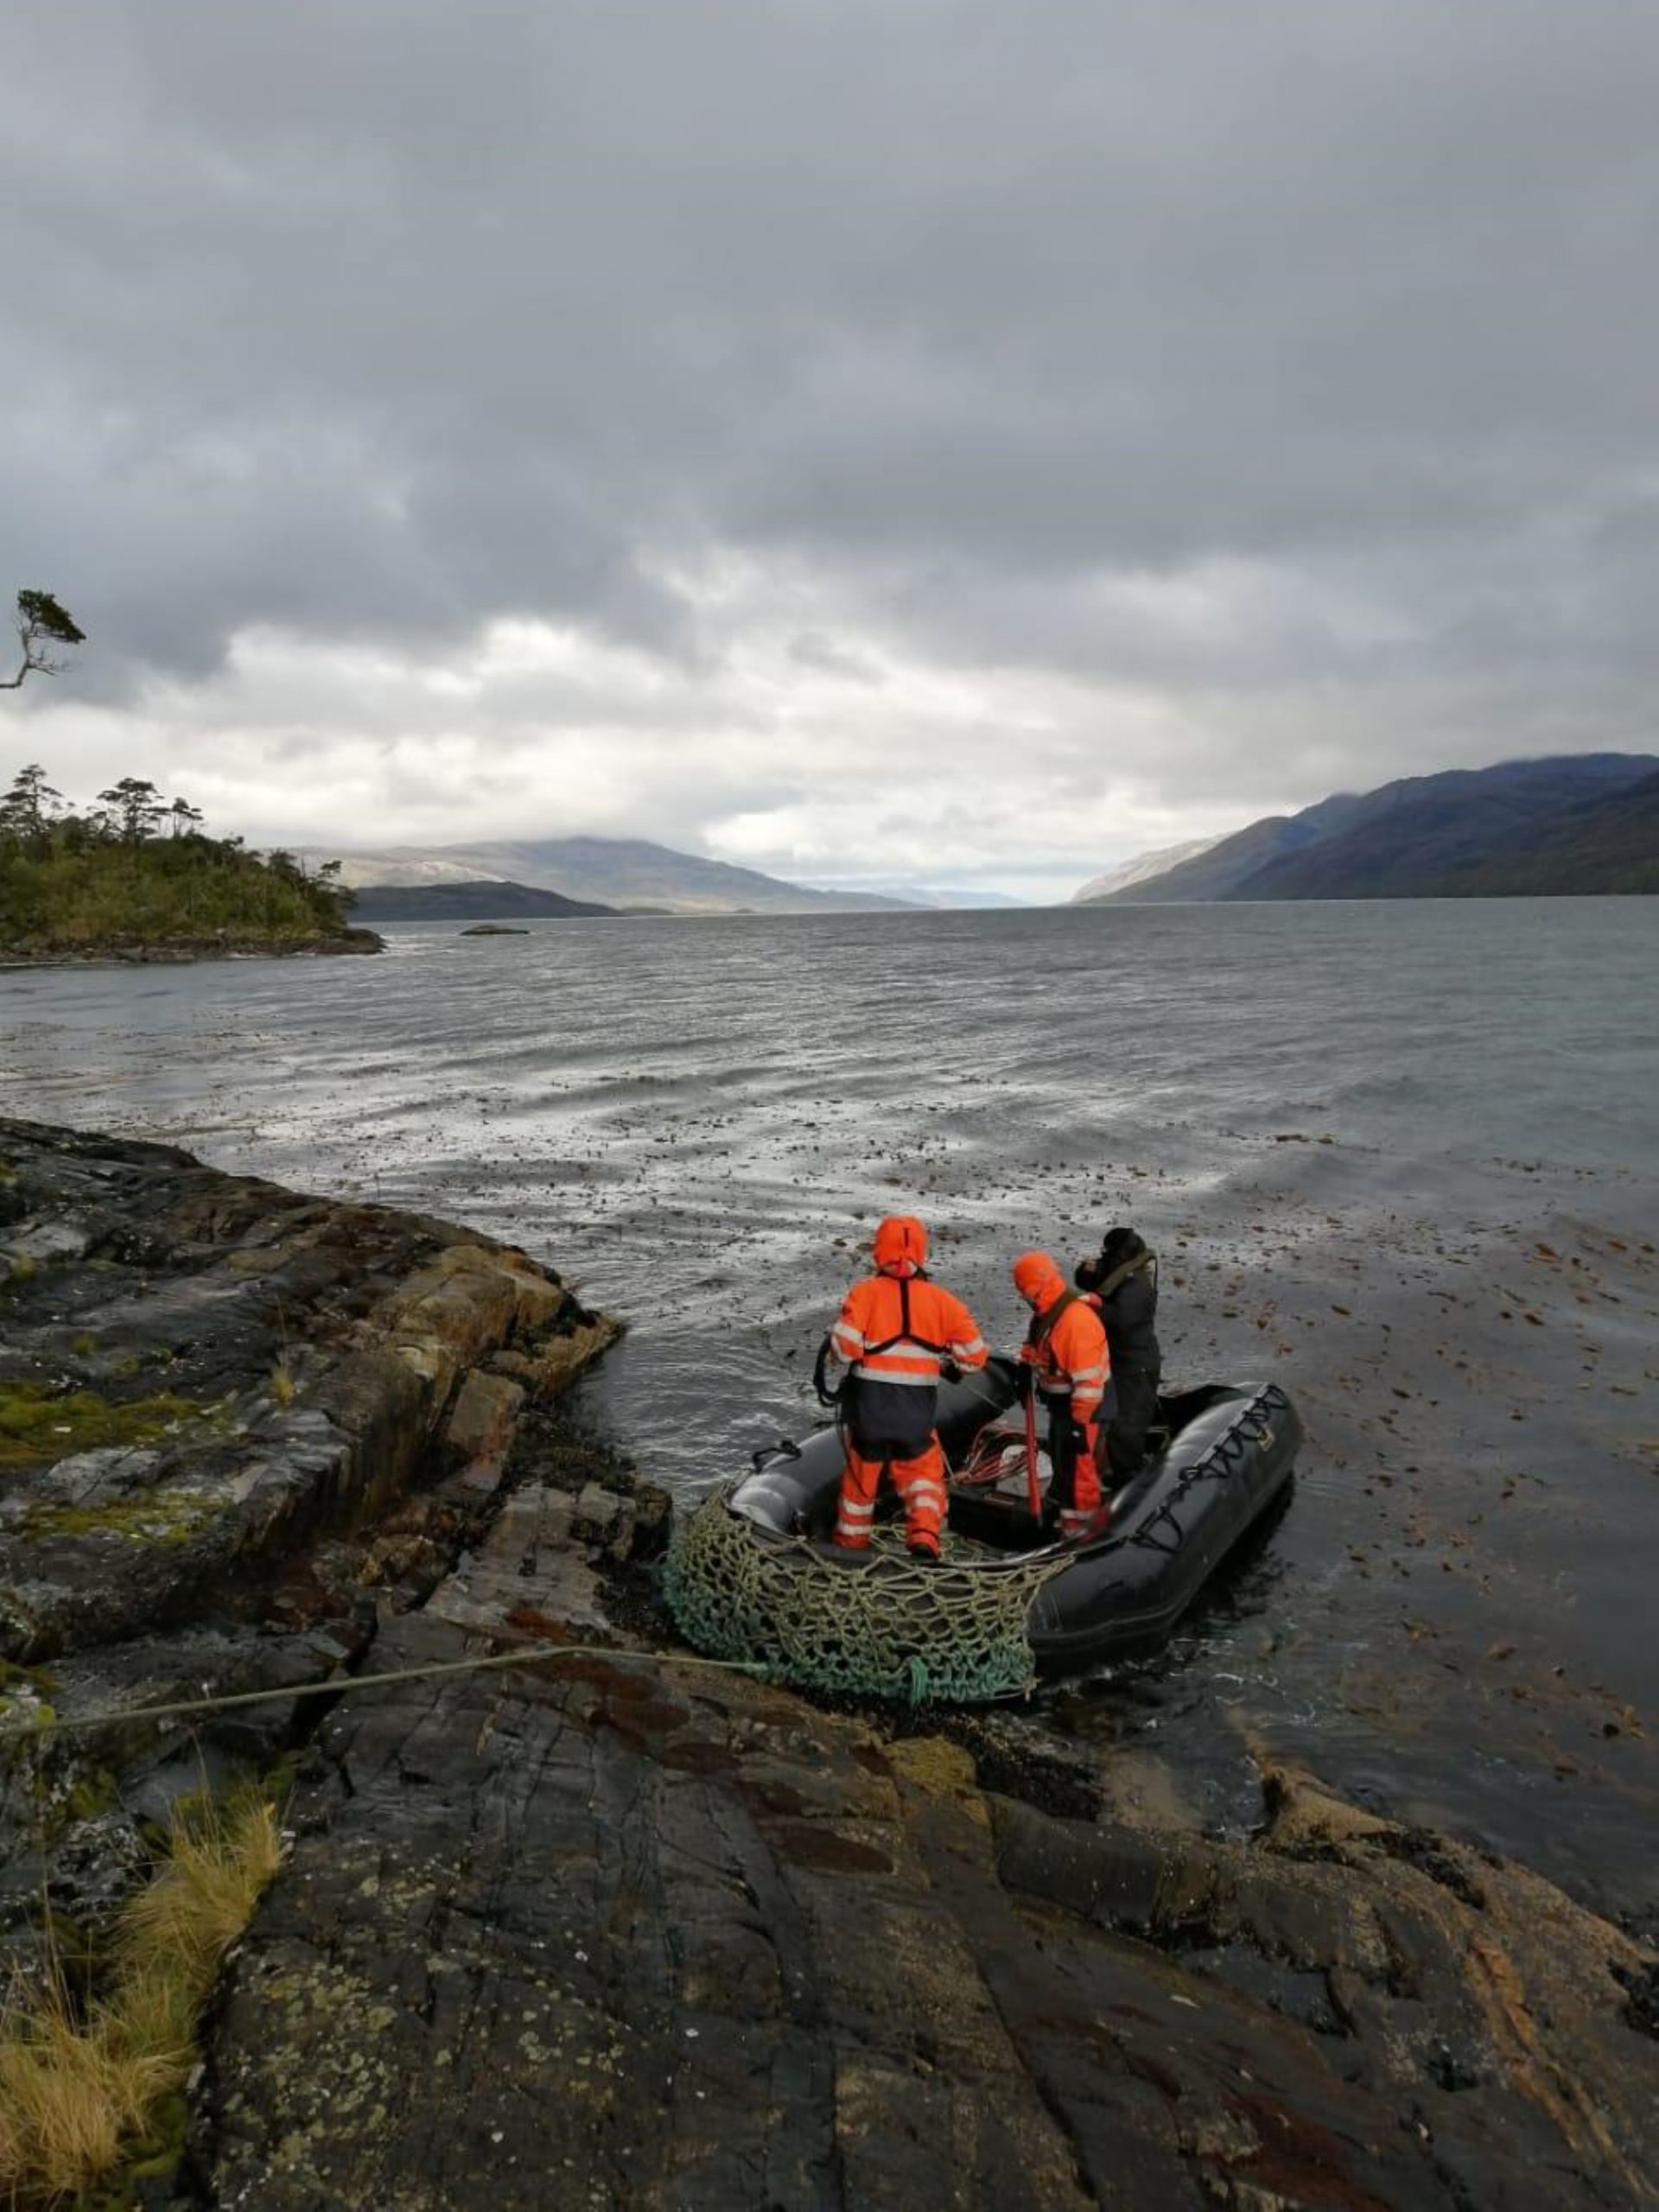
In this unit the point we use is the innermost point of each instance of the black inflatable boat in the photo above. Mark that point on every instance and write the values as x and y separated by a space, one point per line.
1223 1454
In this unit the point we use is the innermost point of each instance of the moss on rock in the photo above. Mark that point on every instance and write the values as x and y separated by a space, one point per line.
39 1424
158 1517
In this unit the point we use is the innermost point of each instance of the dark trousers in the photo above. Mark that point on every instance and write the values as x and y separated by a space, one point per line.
1126 1412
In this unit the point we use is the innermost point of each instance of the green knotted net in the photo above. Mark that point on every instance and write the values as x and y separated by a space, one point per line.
954 1634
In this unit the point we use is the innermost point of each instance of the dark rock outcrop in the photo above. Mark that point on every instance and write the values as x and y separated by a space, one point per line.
236 1424
181 951
281 1366
629 1932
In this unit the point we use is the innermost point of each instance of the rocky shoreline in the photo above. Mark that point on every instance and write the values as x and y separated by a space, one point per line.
622 1929
174 952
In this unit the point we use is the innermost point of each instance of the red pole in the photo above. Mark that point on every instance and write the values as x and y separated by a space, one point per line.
1033 1493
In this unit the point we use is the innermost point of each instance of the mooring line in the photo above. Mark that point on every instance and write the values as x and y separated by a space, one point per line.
52 1723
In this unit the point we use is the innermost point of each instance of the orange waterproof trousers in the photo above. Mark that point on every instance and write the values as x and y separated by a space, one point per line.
1076 1491
920 1482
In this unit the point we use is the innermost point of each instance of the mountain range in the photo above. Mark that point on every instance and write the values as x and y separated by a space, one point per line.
629 874
1572 823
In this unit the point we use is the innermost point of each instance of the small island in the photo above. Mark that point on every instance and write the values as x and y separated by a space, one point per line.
137 877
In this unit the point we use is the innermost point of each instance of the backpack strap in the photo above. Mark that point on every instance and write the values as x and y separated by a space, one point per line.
1119 1276
1042 1328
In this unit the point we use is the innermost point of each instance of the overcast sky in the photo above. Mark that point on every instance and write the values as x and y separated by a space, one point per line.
875 442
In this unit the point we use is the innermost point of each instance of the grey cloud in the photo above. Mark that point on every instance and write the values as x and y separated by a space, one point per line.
383 321
812 649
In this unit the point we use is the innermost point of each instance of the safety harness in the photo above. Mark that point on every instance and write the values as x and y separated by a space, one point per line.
906 1335
830 1394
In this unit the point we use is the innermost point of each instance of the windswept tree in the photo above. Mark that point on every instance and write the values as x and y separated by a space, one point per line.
42 623
134 807
29 805
329 883
184 817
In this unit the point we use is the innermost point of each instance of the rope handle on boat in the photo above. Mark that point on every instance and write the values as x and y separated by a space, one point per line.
340 1686
1218 1464
783 1449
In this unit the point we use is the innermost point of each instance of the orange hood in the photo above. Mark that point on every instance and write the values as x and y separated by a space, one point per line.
900 1246
1038 1279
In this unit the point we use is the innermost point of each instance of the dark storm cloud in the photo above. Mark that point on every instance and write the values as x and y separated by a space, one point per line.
1258 356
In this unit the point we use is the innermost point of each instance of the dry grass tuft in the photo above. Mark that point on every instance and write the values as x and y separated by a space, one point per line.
74 2086
218 1864
283 1387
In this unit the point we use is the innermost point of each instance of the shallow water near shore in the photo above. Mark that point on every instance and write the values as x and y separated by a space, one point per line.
1403 1158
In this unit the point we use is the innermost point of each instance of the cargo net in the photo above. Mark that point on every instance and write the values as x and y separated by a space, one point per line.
952 1634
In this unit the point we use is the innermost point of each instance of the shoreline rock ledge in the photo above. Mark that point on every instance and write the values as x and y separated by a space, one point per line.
620 1927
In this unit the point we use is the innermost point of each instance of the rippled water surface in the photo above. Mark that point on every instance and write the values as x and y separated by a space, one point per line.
1403 1157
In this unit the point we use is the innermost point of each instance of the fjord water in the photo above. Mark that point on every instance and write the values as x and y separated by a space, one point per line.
1403 1157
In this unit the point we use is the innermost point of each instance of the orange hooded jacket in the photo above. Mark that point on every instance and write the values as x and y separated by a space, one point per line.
1066 1347
895 1325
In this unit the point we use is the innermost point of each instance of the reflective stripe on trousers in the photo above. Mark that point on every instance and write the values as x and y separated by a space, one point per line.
1076 1485
920 1482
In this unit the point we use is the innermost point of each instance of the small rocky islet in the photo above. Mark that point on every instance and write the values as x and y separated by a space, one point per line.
617 1928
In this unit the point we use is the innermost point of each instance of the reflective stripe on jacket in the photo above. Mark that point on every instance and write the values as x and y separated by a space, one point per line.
1070 1358
897 1330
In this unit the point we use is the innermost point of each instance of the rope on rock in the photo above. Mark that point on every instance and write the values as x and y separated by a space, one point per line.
47 1722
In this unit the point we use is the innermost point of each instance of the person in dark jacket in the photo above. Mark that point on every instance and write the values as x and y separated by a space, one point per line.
1122 1283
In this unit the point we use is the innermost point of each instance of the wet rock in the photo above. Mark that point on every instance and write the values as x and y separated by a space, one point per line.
533 1575
620 1929
315 1354
83 1767
220 1404
480 1429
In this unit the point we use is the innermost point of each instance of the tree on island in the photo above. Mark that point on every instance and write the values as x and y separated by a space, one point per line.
42 624
30 804
136 808
139 868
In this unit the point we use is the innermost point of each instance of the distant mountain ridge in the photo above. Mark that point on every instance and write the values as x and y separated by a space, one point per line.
472 900
1572 822
613 871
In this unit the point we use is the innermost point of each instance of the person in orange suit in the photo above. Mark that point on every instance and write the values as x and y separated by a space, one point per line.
1066 1350
896 1328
